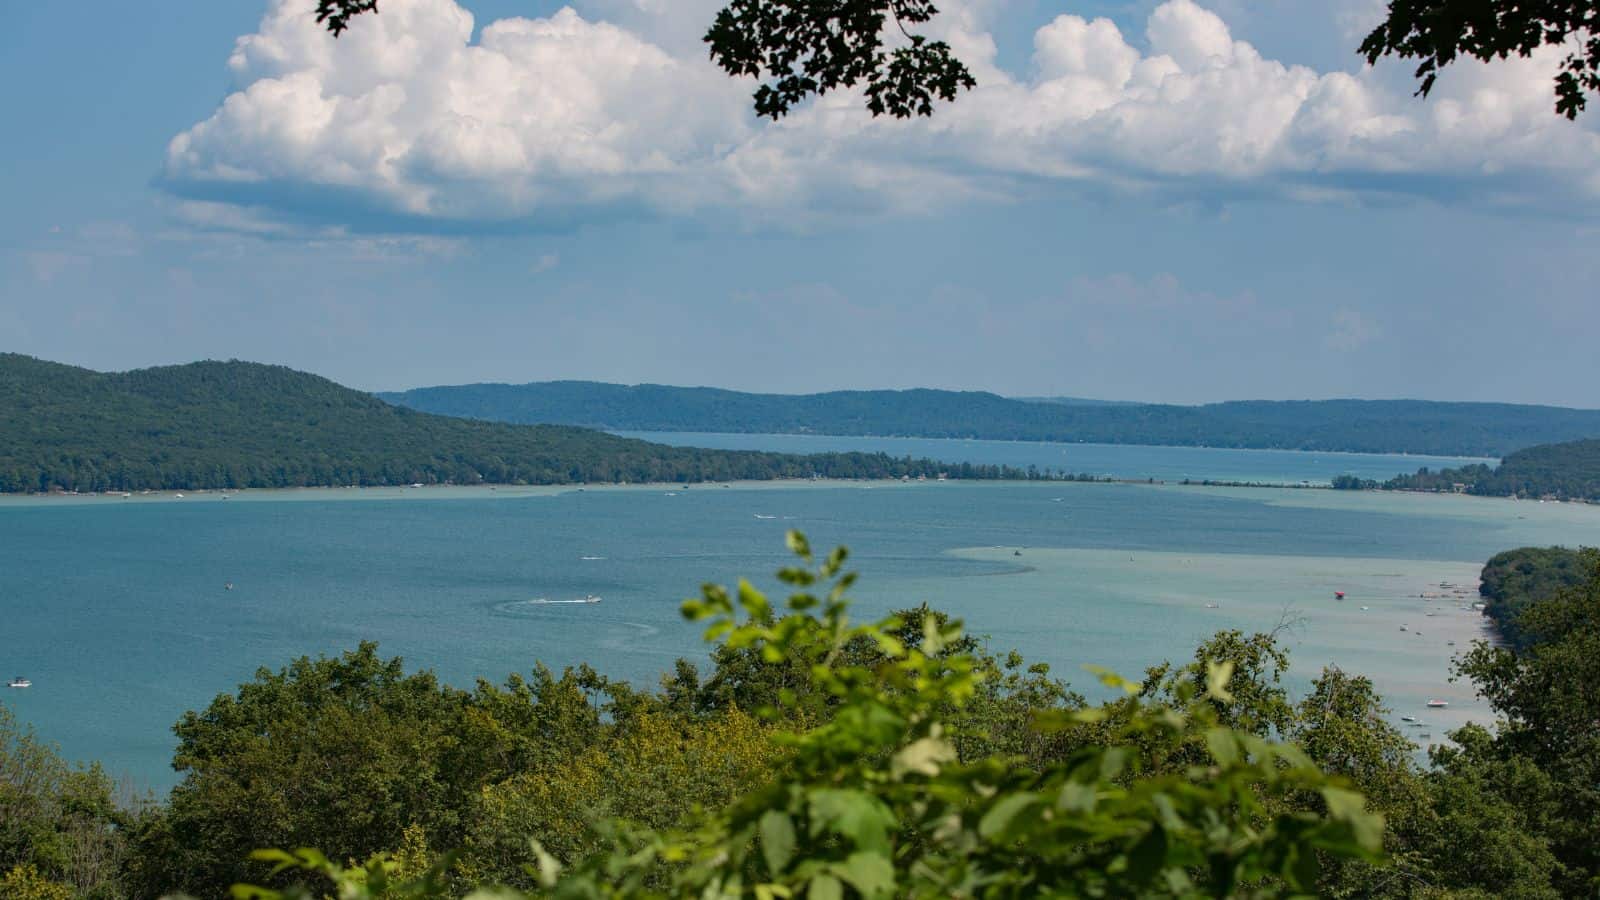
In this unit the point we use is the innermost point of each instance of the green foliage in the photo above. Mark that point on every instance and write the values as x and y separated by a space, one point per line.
873 799
1516 579
1569 471
24 882
1544 755
357 757
61 828
240 425
1438 32
1375 426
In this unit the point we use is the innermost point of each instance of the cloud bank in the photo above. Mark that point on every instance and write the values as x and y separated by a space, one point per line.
410 123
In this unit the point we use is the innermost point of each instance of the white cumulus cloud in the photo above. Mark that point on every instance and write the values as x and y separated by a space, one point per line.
409 122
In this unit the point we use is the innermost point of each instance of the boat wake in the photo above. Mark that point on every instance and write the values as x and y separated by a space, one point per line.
634 639
518 606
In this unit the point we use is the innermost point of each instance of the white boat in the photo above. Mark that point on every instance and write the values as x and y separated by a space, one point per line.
19 682
1438 704
1408 718
544 601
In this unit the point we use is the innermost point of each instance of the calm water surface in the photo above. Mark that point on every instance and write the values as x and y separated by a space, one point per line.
117 610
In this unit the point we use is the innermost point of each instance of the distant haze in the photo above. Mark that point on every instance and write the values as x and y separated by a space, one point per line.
1371 426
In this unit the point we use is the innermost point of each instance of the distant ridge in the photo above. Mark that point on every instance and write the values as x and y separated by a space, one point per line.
224 425
1569 471
1371 426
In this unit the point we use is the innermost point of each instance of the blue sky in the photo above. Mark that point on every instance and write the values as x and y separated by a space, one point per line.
1182 202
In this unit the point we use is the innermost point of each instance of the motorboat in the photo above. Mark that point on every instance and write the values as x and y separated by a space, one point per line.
1438 704
591 599
19 682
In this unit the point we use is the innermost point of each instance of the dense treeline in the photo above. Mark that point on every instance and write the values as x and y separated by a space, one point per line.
224 425
1374 426
1569 471
819 757
1515 580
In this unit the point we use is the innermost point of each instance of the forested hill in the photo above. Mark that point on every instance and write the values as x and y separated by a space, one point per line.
1513 581
1378 426
1568 471
235 424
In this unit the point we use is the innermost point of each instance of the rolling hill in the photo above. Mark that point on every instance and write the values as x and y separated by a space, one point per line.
1374 426
238 424
1566 471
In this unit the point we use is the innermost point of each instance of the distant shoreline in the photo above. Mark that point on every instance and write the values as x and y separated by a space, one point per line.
518 491
641 434
395 491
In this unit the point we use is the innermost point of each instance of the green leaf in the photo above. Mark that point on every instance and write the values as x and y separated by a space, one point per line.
777 841
797 576
869 873
1076 797
922 757
1350 808
798 545
858 816
1217 676
825 887
1343 804
1113 680
753 601
1112 762
1223 746
999 817
835 561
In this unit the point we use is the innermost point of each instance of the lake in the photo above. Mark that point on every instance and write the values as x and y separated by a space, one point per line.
117 608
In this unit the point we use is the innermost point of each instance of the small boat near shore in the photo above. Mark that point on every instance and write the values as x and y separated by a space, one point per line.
19 682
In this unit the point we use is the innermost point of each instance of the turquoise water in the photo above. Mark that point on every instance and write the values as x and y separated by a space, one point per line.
1114 460
116 608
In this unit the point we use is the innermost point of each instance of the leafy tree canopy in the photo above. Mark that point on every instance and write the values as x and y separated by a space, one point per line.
1438 32
801 48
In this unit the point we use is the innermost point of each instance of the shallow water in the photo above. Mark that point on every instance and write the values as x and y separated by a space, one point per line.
119 611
